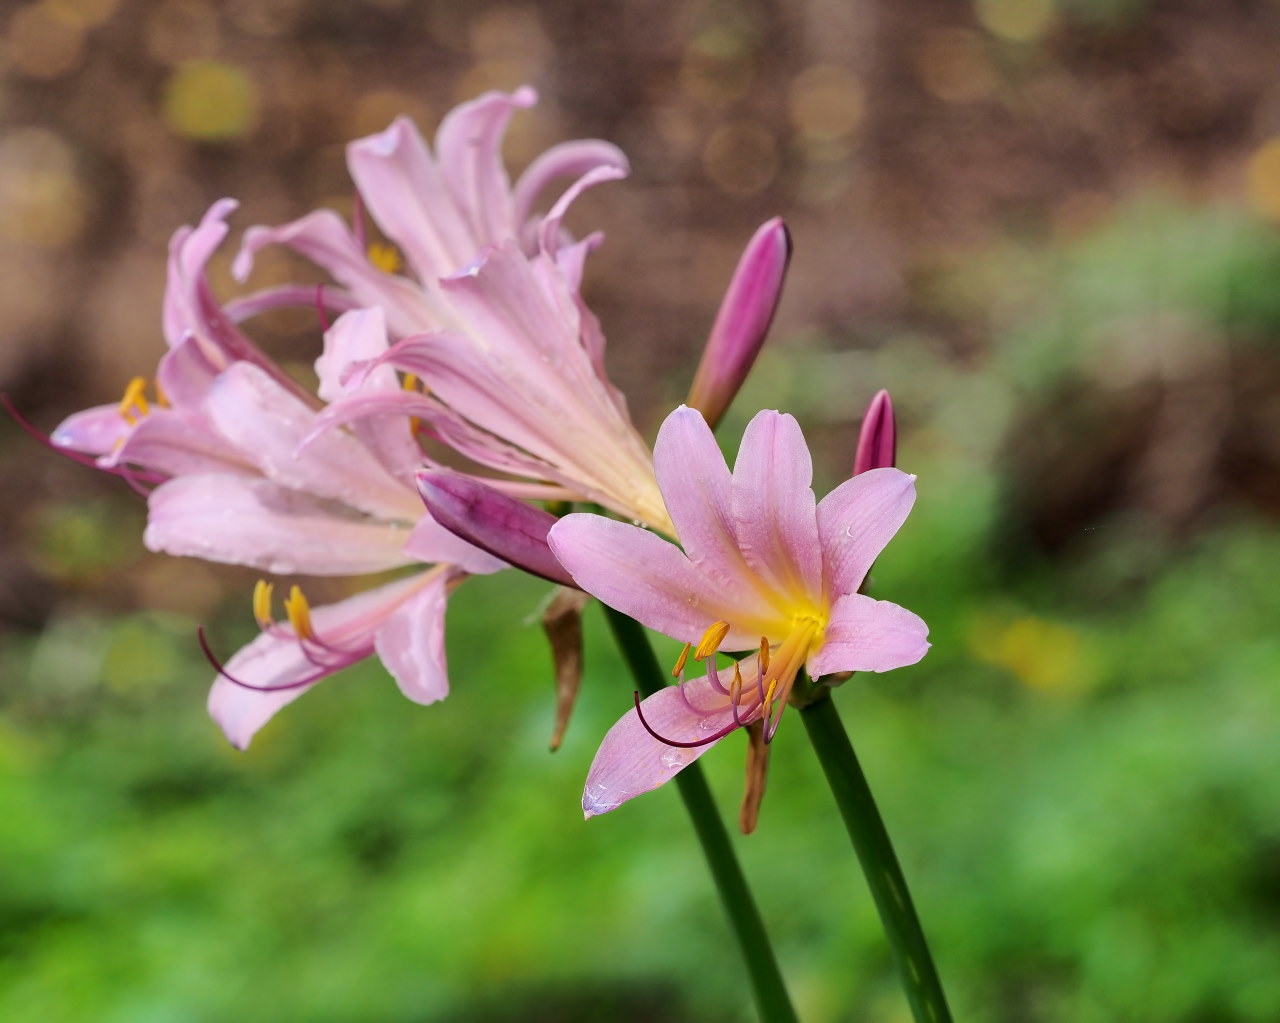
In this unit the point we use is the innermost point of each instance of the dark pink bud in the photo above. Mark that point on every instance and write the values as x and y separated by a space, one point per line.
508 529
878 438
743 321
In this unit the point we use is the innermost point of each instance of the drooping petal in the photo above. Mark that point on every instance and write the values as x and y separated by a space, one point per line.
411 641
276 659
175 442
630 761
566 160
324 238
774 508
869 635
189 252
243 520
643 576
698 492
409 197
93 431
433 543
742 324
857 520
269 426
469 147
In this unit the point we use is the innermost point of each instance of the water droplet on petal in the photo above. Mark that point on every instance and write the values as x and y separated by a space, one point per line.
596 800
708 724
673 758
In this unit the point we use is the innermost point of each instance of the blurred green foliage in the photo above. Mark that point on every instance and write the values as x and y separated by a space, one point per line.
1082 777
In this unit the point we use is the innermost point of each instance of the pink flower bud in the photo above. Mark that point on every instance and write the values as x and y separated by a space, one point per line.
878 437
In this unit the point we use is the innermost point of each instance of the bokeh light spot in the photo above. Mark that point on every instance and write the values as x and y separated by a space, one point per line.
827 102
1262 178
740 158
1019 21
953 66
42 45
42 201
82 14
210 101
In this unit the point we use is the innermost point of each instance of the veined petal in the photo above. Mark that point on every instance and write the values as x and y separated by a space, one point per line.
93 431
432 543
566 160
857 520
643 576
469 147
186 372
411 641
269 426
774 508
630 761
276 659
869 635
189 253
176 442
324 238
698 492
409 197
244 520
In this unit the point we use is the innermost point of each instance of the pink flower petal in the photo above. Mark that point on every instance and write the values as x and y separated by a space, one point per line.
409 197
631 762
93 431
277 659
411 642
566 160
774 508
430 542
642 575
324 238
269 426
469 147
176 442
869 635
186 372
247 521
698 492
857 520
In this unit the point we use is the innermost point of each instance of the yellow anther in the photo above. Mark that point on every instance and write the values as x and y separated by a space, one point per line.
162 399
262 603
768 698
764 653
385 258
735 687
711 640
299 612
684 656
134 402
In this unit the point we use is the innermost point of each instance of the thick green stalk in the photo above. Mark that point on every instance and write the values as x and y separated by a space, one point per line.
739 904
879 864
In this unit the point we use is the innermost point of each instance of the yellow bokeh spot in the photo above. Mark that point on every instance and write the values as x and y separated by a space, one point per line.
81 13
42 202
953 65
1262 178
41 44
1043 655
740 158
826 102
1019 21
210 101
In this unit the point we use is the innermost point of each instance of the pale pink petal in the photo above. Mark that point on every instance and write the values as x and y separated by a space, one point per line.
774 509
698 492
469 148
324 238
566 160
407 195
550 236
247 521
857 520
643 576
93 431
869 635
269 426
631 762
411 642
432 543
186 372
177 442
277 660
189 252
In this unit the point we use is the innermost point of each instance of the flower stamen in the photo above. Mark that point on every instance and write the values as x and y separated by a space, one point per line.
299 613
262 591
678 670
711 640
134 405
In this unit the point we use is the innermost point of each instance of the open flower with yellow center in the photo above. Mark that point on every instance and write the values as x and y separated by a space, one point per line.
764 567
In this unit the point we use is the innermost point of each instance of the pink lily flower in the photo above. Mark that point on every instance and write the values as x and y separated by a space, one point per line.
764 567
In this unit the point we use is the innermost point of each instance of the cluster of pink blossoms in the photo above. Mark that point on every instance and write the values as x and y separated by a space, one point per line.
475 334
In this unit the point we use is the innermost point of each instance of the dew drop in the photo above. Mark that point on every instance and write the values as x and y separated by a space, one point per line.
708 724
673 758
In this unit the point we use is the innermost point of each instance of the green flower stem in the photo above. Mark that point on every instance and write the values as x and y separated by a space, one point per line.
879 864
739 904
